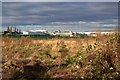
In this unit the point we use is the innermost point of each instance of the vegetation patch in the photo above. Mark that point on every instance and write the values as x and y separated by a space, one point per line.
26 58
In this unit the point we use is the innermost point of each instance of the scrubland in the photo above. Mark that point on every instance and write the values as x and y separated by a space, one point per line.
93 57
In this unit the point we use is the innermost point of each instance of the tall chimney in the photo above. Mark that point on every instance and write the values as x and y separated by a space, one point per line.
8 29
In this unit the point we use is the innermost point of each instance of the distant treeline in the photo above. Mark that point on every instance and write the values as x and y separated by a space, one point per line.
39 36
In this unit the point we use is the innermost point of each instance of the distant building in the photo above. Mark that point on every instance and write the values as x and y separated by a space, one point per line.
25 33
65 33
12 30
93 34
79 34
36 32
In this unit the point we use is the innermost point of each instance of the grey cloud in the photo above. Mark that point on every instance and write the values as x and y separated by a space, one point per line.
46 12
60 0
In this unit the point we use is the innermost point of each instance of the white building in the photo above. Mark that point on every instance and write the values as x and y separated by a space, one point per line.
97 33
36 32
25 33
65 33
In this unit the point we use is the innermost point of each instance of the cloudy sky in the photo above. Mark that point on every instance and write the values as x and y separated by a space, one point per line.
60 13
59 0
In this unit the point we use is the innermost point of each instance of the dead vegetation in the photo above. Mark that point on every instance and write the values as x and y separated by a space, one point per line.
27 58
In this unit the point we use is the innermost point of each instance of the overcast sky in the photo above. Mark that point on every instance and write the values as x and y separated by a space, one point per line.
18 13
59 0
72 16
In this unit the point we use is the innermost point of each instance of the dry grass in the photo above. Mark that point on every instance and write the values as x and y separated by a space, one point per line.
62 58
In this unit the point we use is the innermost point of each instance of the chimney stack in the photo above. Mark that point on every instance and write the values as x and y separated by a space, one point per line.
8 29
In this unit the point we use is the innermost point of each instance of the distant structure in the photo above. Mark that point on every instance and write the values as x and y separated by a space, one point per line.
36 32
55 33
94 34
12 30
67 33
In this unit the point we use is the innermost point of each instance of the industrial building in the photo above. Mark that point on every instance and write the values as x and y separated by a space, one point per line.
65 33
36 32
12 30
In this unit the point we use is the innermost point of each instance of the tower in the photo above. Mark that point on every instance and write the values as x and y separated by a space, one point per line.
8 29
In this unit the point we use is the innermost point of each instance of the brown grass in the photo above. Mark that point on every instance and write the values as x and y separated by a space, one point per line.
63 58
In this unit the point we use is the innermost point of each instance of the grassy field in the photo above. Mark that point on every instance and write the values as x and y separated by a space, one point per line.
26 58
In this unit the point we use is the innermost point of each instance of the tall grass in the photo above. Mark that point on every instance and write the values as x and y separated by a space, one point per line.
97 57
